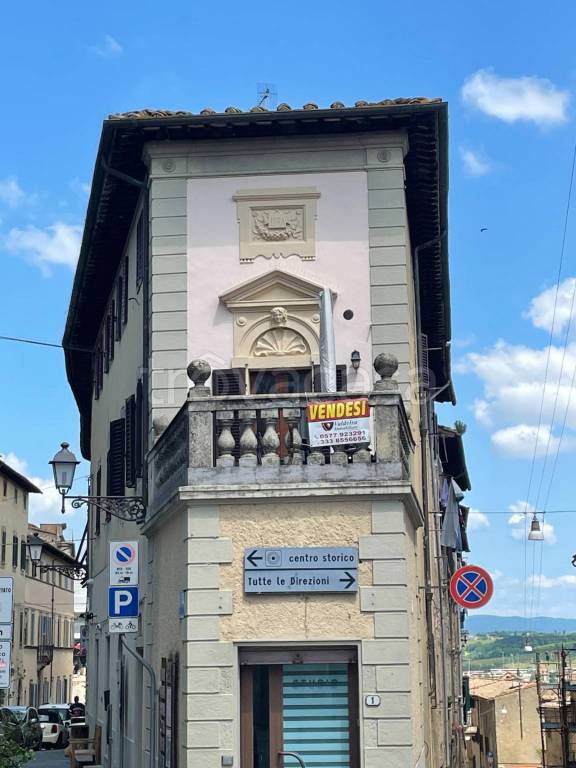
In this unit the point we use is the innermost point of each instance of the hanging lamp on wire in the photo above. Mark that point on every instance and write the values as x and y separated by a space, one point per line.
536 532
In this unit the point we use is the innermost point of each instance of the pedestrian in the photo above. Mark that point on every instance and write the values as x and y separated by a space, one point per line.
77 709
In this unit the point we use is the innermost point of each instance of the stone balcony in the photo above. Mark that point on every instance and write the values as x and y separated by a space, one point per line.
257 445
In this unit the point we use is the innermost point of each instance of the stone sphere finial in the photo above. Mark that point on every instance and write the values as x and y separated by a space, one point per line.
386 366
199 372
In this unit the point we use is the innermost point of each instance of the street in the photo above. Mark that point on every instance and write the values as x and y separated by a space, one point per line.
49 757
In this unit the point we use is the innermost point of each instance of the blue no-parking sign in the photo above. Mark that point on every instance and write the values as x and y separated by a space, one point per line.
123 602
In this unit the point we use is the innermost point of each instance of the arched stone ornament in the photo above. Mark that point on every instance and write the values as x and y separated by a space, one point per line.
279 310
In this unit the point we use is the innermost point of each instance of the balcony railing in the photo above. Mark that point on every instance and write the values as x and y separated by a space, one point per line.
44 655
247 440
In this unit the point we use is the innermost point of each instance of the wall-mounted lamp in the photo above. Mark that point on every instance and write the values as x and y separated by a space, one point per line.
355 359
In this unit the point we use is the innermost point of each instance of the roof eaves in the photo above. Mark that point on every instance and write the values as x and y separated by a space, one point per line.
18 478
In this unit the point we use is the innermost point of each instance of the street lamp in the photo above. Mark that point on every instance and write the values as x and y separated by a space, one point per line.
76 571
64 464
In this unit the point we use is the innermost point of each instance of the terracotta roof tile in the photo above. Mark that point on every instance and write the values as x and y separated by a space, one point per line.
141 114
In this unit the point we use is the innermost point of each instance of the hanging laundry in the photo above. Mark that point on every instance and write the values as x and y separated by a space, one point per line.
451 536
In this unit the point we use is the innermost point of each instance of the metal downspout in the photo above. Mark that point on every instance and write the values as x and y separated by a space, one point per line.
153 715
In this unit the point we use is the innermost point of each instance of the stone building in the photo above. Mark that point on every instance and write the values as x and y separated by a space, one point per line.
505 722
15 489
49 620
209 239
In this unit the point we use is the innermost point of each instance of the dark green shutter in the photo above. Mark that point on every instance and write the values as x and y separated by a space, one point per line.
116 461
130 441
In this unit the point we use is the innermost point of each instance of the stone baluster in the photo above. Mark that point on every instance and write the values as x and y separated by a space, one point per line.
270 438
226 442
340 455
293 436
316 456
248 440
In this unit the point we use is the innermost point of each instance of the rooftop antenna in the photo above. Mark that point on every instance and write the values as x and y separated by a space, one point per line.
267 95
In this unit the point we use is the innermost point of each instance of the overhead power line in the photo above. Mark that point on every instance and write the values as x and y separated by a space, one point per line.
38 343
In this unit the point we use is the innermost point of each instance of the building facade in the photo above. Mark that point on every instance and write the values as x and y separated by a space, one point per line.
208 242
48 634
15 490
505 721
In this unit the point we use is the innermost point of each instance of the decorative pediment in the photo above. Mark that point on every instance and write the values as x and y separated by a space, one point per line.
274 288
276 320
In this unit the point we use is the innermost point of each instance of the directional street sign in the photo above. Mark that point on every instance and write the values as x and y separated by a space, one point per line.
123 563
471 586
6 599
5 631
123 602
304 569
5 663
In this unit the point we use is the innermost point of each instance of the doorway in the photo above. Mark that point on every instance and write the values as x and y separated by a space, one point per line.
299 709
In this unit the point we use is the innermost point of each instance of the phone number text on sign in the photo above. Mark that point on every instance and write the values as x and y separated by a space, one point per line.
339 422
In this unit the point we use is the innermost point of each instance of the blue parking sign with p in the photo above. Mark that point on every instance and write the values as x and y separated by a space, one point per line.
123 602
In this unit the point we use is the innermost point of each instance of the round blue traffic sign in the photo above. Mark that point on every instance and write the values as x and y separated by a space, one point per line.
471 586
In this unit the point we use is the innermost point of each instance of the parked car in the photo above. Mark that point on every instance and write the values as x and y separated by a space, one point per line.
10 727
54 729
64 710
29 725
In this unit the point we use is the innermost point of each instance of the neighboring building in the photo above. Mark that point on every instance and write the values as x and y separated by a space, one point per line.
504 724
207 242
15 490
48 634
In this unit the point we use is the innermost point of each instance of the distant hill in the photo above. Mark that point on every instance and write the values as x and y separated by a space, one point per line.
482 624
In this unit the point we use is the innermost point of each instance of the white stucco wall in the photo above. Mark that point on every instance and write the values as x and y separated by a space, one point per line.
214 267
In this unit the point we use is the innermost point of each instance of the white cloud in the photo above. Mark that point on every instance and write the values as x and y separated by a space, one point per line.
80 187
513 380
477 520
56 244
552 582
108 49
533 99
474 163
520 440
11 193
541 310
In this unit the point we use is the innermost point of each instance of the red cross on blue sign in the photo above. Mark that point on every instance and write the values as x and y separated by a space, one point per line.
471 586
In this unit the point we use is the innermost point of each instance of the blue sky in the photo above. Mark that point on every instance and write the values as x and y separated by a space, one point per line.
510 80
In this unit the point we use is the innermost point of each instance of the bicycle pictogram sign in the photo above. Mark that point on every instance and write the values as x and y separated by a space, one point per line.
471 586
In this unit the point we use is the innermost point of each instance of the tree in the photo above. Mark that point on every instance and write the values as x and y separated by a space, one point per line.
12 755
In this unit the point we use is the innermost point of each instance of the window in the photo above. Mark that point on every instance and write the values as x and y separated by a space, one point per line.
108 354
98 494
125 296
116 459
5 486
16 495
130 441
15 545
112 328
3 547
98 365
23 553
26 625
21 634
119 311
140 255
25 500
138 431
33 628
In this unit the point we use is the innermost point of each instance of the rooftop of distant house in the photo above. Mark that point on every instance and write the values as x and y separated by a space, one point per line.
17 478
494 689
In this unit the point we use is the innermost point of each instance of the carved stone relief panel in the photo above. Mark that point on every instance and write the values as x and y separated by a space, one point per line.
277 223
